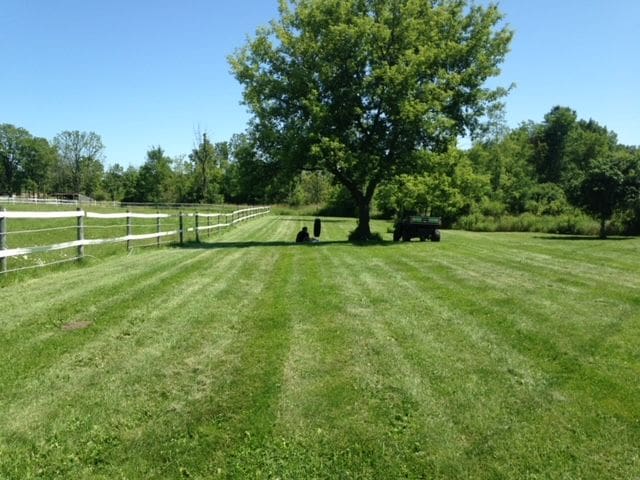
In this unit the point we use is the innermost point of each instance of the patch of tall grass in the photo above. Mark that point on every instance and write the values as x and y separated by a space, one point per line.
300 210
568 224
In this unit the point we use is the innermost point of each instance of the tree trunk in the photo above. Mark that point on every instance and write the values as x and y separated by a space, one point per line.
362 233
363 230
603 227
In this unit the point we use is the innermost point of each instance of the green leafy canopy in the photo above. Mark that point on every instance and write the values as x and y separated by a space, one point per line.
357 87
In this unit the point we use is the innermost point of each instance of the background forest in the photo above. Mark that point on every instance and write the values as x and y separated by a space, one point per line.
562 175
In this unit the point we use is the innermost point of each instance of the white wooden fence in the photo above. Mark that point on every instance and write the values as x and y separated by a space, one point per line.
18 200
202 222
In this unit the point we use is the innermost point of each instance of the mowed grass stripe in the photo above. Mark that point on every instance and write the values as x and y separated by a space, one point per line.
402 382
82 355
395 390
212 387
584 320
566 256
552 352
542 300
165 333
357 343
237 416
519 377
99 302
60 289
443 343
328 420
537 313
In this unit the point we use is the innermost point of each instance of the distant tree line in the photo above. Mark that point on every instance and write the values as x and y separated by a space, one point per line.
73 163
560 166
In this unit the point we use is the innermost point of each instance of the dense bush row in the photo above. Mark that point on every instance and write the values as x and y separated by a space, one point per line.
563 175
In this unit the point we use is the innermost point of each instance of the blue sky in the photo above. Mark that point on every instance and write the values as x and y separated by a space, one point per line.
143 73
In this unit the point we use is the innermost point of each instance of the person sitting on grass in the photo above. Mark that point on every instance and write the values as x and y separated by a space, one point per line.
303 236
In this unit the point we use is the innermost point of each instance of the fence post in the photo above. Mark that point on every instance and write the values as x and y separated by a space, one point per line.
181 228
197 225
128 230
3 238
80 235
158 229
208 226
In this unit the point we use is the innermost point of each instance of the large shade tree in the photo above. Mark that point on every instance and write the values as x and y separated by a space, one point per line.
357 87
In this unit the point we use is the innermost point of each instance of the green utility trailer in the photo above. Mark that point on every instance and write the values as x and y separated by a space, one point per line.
417 226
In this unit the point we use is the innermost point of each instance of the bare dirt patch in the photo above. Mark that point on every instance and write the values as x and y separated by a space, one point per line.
76 325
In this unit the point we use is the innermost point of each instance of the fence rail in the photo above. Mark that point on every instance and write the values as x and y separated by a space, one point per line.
42 215
15 200
86 201
222 220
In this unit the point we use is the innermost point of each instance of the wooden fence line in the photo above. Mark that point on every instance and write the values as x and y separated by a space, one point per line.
26 200
230 219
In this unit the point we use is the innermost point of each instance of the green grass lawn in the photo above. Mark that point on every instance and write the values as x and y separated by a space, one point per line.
483 356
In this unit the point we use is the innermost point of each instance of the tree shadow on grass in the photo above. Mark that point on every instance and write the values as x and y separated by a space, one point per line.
280 244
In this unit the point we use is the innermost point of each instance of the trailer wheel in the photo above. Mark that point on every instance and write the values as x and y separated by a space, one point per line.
422 238
396 235
435 237
406 238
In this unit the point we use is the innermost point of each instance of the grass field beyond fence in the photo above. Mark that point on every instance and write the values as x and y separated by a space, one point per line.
484 356
49 240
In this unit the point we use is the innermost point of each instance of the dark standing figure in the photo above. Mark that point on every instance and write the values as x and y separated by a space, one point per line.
317 228
303 236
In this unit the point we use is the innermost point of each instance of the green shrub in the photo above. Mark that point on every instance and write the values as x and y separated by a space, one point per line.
356 237
574 223
340 204
492 208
